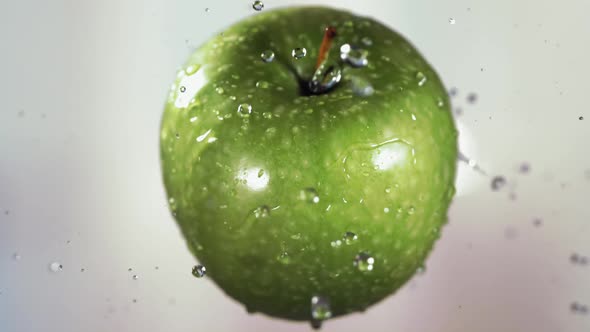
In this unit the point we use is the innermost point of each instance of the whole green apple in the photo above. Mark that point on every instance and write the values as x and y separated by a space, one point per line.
309 195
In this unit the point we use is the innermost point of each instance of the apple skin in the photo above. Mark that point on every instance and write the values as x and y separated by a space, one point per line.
242 185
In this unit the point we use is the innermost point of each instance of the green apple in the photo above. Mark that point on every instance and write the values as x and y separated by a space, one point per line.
307 203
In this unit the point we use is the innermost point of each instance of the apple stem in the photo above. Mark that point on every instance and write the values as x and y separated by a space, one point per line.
329 35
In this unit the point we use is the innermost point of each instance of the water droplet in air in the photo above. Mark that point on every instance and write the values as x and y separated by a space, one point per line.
199 271
524 168
356 57
452 21
349 238
207 10
421 78
581 118
55 267
320 308
325 77
363 261
135 277
267 56
299 52
182 89
244 110
16 256
578 308
309 195
498 182
537 222
258 5
472 98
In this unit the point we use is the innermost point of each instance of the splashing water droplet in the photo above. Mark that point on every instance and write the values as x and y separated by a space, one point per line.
199 271
320 308
309 195
349 238
421 78
258 5
325 77
364 262
498 182
452 21
354 56
267 56
299 52
55 267
244 110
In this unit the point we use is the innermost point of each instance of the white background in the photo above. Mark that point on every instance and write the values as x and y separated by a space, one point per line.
82 85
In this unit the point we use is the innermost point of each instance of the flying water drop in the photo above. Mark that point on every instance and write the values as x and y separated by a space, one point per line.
55 267
498 182
199 271
299 52
258 5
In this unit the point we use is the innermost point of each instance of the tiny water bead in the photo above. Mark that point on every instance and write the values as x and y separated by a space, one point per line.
199 271
244 110
262 212
452 20
55 267
135 277
498 182
267 56
182 89
363 261
354 56
421 78
581 118
309 195
361 87
258 5
320 308
367 41
349 238
299 52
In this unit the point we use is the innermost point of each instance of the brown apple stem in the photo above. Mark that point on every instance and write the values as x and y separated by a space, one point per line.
329 36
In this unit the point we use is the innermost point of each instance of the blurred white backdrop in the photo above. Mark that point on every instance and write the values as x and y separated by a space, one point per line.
82 87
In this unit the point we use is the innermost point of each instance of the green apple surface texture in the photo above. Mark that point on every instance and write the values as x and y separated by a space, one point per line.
307 205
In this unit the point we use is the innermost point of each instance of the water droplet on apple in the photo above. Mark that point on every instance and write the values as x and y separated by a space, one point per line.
262 84
267 115
325 77
367 41
411 210
199 271
177 135
498 182
320 308
299 52
262 212
356 57
421 78
219 90
336 244
55 267
258 5
363 261
284 258
361 87
244 110
267 56
191 70
309 195
349 238
452 21
203 136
